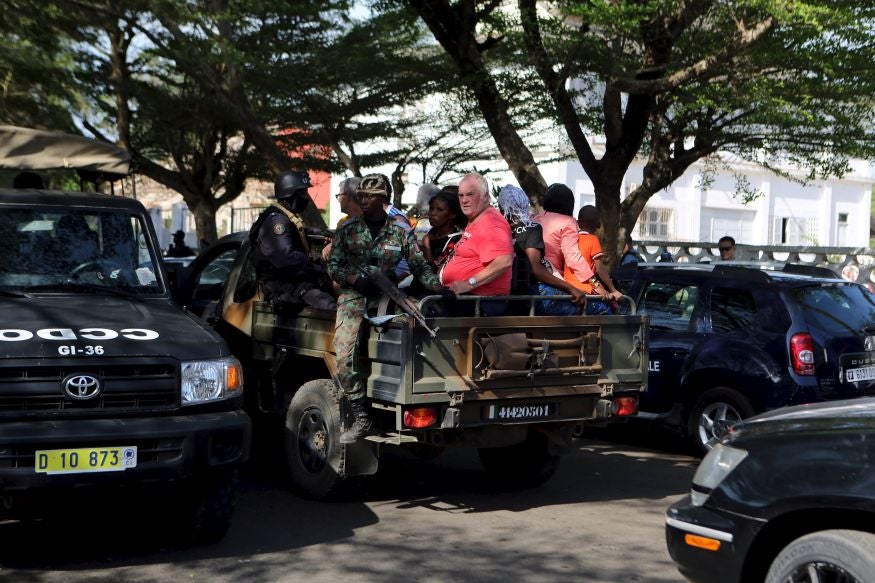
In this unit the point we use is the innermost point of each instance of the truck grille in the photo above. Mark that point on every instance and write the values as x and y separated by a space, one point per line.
37 390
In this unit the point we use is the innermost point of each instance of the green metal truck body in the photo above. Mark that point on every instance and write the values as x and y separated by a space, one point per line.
487 382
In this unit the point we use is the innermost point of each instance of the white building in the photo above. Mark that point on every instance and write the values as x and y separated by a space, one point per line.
704 205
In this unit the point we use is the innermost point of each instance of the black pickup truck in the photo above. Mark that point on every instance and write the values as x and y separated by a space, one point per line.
104 382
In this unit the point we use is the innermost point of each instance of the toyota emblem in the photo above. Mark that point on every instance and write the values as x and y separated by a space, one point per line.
81 386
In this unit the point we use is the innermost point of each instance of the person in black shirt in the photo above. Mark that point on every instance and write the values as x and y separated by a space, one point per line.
533 273
447 223
288 274
178 248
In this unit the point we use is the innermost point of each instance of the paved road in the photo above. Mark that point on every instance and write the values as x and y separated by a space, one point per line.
599 519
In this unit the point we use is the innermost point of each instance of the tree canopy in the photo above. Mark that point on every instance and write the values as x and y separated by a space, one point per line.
670 81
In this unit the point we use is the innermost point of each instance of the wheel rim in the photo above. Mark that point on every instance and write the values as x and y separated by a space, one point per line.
715 419
313 440
820 572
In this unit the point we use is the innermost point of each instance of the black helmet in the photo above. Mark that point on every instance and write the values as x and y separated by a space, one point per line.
288 183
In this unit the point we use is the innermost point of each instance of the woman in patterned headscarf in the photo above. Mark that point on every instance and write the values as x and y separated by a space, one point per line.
533 273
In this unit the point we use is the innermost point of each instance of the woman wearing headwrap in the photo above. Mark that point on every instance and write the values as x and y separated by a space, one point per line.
534 274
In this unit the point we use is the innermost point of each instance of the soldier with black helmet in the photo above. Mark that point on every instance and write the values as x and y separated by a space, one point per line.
288 274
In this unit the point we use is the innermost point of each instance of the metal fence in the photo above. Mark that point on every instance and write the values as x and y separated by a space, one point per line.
853 264
242 218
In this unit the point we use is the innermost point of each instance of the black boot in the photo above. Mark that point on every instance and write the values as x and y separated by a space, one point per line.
362 425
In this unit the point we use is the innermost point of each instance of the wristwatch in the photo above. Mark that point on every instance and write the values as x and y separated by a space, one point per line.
472 281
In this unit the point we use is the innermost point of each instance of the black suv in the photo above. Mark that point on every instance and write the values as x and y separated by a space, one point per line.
784 497
731 340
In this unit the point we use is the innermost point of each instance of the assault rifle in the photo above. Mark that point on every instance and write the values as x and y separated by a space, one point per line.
396 295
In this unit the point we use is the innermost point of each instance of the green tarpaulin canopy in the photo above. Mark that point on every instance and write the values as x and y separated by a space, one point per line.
27 149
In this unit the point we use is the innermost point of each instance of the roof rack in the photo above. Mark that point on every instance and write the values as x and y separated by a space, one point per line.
746 272
812 270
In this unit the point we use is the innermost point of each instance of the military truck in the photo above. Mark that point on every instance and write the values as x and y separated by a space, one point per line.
104 382
515 387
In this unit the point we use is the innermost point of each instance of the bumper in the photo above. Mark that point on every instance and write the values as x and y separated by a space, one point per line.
723 565
169 448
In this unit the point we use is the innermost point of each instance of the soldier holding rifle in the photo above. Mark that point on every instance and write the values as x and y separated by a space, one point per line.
368 243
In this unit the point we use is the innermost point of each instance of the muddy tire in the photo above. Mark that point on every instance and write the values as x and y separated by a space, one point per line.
524 465
314 454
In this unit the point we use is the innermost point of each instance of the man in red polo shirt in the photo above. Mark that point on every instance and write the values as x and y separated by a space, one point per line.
482 259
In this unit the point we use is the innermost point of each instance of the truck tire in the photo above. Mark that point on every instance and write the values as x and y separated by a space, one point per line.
712 413
526 465
829 555
208 506
314 453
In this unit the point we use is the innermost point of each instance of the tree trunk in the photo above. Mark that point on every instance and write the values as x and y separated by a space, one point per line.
454 29
607 198
205 223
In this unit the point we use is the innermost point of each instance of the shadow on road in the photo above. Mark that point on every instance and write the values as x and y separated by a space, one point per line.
118 533
604 465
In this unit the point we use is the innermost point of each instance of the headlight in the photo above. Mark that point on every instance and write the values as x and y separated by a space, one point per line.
718 464
211 380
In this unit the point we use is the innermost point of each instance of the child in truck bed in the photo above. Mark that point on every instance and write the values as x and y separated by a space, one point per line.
589 220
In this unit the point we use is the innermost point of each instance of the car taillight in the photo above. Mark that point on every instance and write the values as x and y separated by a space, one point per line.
420 417
625 406
802 354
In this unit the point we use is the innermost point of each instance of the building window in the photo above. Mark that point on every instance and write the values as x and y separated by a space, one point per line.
842 230
793 231
656 224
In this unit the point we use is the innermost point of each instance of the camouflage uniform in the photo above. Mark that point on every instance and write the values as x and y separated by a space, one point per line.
353 245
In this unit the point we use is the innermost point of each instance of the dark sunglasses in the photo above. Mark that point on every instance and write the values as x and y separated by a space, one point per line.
722 249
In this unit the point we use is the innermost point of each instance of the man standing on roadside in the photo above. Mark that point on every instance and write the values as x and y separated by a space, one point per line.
726 246
483 257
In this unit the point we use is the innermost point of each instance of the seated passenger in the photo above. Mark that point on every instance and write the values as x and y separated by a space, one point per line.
75 244
560 233
288 275
447 221
538 275
590 219
482 259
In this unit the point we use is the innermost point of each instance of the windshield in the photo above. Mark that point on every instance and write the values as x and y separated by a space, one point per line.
75 250
837 308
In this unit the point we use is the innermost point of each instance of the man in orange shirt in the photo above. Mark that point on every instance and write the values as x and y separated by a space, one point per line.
589 220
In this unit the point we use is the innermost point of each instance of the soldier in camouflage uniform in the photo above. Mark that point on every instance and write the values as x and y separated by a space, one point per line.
371 241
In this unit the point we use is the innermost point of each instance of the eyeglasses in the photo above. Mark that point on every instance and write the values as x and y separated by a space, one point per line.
724 249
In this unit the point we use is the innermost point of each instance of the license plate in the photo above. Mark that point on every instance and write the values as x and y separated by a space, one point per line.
85 459
860 374
519 412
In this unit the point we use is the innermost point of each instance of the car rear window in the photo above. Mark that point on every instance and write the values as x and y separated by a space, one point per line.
670 305
836 307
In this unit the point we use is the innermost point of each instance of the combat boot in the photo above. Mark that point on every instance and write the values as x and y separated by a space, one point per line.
362 425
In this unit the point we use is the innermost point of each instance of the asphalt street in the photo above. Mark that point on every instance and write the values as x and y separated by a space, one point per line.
599 519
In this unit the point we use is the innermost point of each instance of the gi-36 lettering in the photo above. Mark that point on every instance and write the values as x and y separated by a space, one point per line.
72 350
